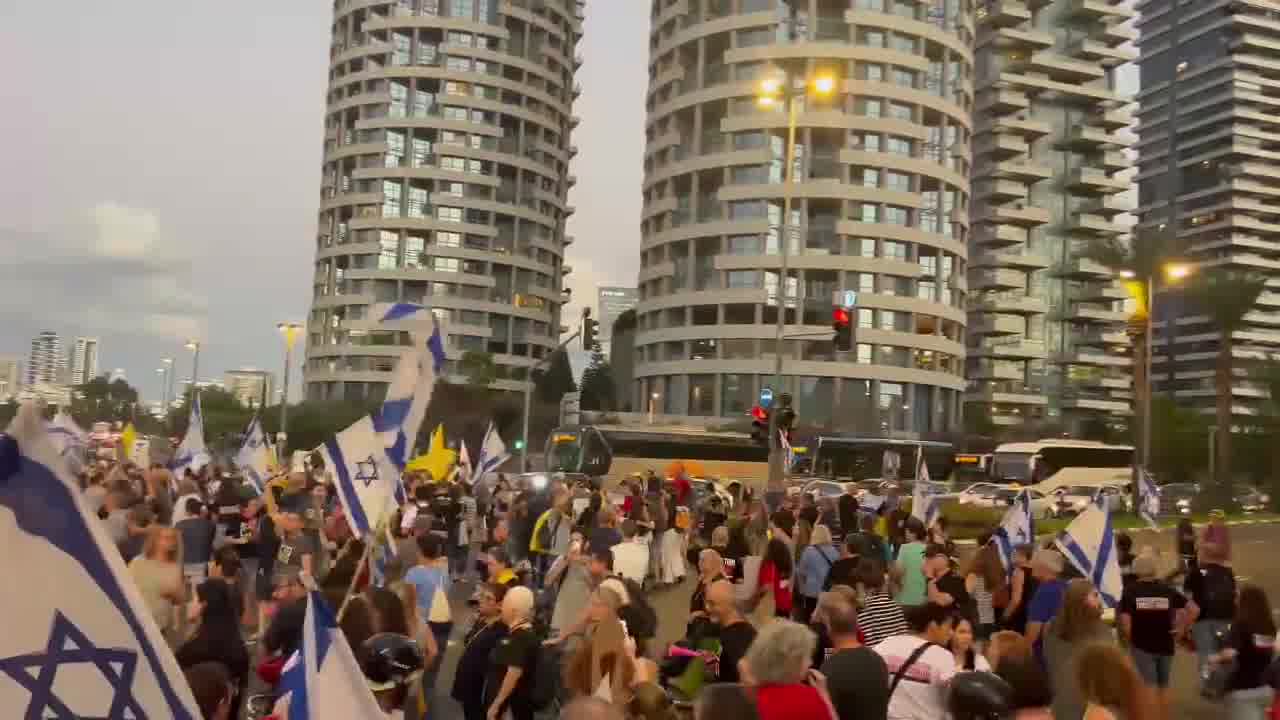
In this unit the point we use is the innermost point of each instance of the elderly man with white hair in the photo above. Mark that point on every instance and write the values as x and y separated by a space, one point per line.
510 682
778 666
1051 589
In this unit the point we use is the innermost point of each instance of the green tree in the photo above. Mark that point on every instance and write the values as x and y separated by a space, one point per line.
1226 296
103 400
625 322
597 384
1266 375
479 368
556 380
1178 436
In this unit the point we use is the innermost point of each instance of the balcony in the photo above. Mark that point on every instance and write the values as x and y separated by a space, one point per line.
1108 206
1006 13
998 236
1021 125
1026 172
997 325
1084 313
1000 146
1080 268
1100 292
1096 404
1098 10
1084 223
1017 213
1090 358
1000 102
1009 304
1061 69
1100 52
1012 348
1087 181
1101 338
996 371
1111 120
998 191
1087 138
1023 261
986 280
1023 396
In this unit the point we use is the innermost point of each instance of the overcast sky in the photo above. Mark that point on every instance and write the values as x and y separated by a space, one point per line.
164 170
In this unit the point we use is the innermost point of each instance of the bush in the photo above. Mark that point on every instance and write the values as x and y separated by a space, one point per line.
966 522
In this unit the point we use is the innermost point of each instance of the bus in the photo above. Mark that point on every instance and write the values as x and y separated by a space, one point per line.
618 451
839 458
1050 464
969 468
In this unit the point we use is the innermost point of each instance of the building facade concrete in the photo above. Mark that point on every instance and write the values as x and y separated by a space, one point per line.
84 360
1046 324
445 182
1208 173
881 198
612 301
252 387
46 362
10 378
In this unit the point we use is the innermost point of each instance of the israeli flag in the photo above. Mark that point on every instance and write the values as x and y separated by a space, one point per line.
1017 528
254 458
464 462
411 388
323 681
69 440
493 452
1089 544
78 640
366 478
924 506
191 453
1148 498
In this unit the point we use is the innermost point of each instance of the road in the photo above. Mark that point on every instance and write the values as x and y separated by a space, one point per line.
1252 545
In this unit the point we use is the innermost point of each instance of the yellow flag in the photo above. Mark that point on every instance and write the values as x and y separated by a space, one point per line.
438 460
127 438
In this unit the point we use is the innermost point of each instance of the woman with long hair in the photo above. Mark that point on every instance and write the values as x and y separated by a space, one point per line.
1077 626
157 571
1251 645
603 665
217 635
710 571
811 573
1022 587
775 577
1109 684
964 646
984 579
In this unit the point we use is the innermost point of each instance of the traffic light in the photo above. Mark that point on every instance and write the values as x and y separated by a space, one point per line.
786 416
760 425
842 323
589 329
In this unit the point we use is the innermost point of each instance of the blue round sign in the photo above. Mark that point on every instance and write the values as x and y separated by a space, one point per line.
766 397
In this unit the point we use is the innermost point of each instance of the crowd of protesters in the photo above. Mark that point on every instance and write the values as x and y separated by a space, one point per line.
814 610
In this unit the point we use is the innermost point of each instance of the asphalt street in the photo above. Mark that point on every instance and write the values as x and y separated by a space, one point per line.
1252 547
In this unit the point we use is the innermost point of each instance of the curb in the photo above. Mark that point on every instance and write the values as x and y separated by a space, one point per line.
1230 523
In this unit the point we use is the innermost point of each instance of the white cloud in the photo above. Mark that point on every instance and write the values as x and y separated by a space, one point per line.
124 232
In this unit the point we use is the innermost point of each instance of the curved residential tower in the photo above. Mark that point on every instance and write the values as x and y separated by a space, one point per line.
879 206
446 161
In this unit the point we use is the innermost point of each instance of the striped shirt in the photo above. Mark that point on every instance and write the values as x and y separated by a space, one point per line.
983 599
881 617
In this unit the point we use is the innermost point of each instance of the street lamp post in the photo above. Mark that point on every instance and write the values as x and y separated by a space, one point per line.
168 364
1173 272
194 347
164 384
773 91
290 331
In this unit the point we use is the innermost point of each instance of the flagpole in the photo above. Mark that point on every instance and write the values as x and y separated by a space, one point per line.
355 576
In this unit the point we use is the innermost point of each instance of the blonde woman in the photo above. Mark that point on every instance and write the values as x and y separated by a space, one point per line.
158 575
811 573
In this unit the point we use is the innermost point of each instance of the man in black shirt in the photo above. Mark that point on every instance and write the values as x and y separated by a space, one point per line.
843 570
946 588
857 677
1147 611
736 634
284 636
1213 601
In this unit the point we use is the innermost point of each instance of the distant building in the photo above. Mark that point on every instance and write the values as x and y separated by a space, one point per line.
46 359
10 378
84 360
253 388
613 301
622 364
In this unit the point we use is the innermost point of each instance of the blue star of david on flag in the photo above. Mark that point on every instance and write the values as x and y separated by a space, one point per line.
69 645
367 471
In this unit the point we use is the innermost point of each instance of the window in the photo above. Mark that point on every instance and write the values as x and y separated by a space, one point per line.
460 38
897 215
422 102
869 107
867 247
898 181
421 152
898 111
449 239
900 146
870 177
749 175
903 77
401 54
440 264
417 207
869 213
427 54
453 87
744 279
744 245
871 38
449 214
888 319
456 114
390 199
388 250
455 164
866 318
458 64
926 290
864 354
895 250
414 246
395 149
462 9
869 142
872 72
866 282
740 209
399 99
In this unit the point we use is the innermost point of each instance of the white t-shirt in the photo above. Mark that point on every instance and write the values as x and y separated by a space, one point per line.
631 560
921 695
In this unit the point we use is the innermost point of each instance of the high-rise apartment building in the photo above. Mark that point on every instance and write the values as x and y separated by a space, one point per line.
252 387
445 182
1046 344
10 378
46 361
612 302
1210 118
84 360
881 196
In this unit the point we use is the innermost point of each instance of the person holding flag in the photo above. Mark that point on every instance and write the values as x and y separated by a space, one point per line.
1148 498
493 453
254 458
72 603
191 453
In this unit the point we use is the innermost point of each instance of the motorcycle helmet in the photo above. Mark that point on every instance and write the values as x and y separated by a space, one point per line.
389 660
980 696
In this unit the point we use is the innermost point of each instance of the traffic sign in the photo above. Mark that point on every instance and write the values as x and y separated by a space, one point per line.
845 298
766 397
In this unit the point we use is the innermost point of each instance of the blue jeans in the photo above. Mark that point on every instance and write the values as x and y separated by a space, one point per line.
1205 634
1154 669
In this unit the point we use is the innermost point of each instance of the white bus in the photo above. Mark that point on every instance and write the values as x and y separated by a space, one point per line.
1051 464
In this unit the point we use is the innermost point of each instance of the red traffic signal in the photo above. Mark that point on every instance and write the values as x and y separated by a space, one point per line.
841 322
759 413
840 317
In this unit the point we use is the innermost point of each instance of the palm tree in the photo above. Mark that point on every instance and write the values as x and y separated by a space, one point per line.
1226 296
1266 375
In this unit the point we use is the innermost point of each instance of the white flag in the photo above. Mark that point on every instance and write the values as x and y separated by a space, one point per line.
414 381
1016 529
924 506
1148 498
78 640
323 681
493 452
69 440
464 462
1089 544
254 458
365 477
191 453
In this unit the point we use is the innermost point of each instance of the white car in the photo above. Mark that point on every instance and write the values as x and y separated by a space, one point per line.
1073 499
994 495
825 488
981 493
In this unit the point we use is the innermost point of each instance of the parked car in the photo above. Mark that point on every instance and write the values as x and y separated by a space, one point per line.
825 488
1177 498
978 493
1250 499
1073 499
